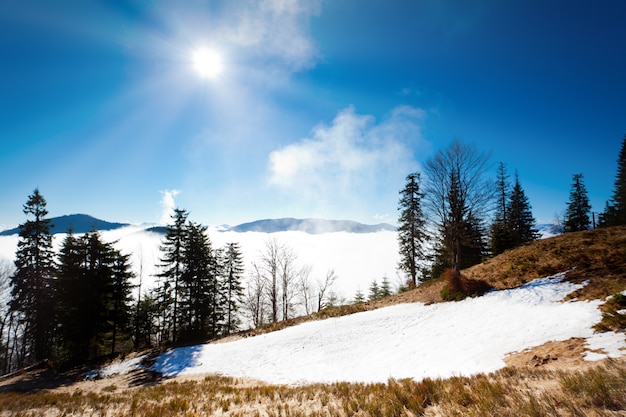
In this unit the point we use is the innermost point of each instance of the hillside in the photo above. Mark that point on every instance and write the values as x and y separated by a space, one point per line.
553 367
595 255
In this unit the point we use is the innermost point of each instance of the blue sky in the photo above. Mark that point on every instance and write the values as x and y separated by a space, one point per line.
321 108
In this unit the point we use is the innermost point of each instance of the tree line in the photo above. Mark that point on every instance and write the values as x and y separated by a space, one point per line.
78 305
456 216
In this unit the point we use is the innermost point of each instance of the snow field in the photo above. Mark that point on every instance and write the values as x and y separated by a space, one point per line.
402 341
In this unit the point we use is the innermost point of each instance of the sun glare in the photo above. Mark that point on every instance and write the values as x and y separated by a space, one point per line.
207 62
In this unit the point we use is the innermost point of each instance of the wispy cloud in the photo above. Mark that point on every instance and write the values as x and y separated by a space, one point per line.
352 163
276 30
168 205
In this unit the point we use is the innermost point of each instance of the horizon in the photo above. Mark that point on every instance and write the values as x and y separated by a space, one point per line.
305 109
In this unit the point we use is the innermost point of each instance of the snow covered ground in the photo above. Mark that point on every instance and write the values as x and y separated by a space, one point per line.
407 340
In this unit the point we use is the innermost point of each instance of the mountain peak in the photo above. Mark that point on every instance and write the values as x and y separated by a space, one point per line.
310 226
79 223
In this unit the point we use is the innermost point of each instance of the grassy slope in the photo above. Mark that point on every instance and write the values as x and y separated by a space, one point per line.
523 389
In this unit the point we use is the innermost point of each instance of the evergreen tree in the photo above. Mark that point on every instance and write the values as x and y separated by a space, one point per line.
458 200
359 297
71 290
121 298
233 289
412 227
94 293
578 207
201 304
521 222
501 236
473 246
455 226
172 264
615 212
385 288
32 294
502 194
374 291
147 320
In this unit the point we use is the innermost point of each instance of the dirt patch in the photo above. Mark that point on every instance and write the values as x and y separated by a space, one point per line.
566 354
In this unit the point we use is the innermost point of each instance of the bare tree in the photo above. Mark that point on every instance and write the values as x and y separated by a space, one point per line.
269 269
457 196
324 288
305 289
253 301
6 270
288 274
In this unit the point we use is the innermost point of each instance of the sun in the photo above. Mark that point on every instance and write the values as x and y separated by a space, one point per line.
207 62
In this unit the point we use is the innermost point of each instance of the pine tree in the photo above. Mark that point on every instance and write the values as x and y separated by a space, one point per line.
32 294
385 288
412 227
94 292
202 306
473 245
172 264
501 237
374 291
121 297
578 207
359 297
147 320
615 212
70 290
233 289
521 222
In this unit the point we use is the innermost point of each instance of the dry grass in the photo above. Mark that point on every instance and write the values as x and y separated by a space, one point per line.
595 255
596 391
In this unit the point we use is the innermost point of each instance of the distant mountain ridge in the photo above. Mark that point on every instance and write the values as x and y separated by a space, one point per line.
79 223
311 226
83 223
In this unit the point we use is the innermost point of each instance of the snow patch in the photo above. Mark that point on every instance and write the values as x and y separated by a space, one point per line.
402 341
612 344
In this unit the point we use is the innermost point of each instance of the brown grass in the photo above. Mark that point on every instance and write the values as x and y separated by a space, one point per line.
594 391
595 255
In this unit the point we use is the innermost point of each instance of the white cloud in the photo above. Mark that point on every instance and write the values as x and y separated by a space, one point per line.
276 30
168 205
353 163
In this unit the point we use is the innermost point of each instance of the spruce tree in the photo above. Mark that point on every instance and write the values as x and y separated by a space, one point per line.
31 293
578 207
172 264
201 304
233 288
121 297
412 227
94 293
521 222
374 293
615 212
385 288
501 237
71 300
